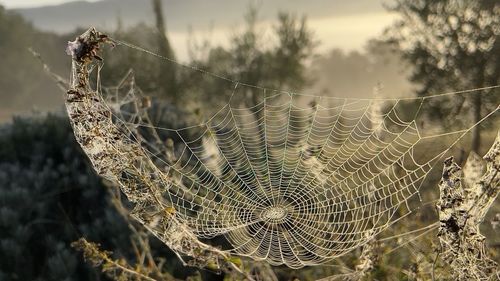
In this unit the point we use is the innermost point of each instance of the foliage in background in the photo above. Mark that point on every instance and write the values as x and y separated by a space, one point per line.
50 197
250 60
359 74
452 44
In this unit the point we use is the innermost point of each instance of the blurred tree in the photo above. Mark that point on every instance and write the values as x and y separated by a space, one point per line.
249 60
280 67
454 45
355 74
167 79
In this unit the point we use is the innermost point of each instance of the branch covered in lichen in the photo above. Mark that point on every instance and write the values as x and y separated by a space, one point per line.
462 208
125 162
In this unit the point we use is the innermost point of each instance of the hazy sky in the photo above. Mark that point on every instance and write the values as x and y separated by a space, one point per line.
33 3
347 32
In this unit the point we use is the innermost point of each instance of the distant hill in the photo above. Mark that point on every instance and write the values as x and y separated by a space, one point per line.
181 14
23 84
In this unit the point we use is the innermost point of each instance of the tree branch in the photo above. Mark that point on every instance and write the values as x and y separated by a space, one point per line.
462 208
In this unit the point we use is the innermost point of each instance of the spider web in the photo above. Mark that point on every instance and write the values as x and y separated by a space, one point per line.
285 181
294 179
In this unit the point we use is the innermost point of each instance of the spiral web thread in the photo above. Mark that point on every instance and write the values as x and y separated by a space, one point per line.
285 181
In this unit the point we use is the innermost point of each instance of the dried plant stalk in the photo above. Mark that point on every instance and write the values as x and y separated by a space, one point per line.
117 269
